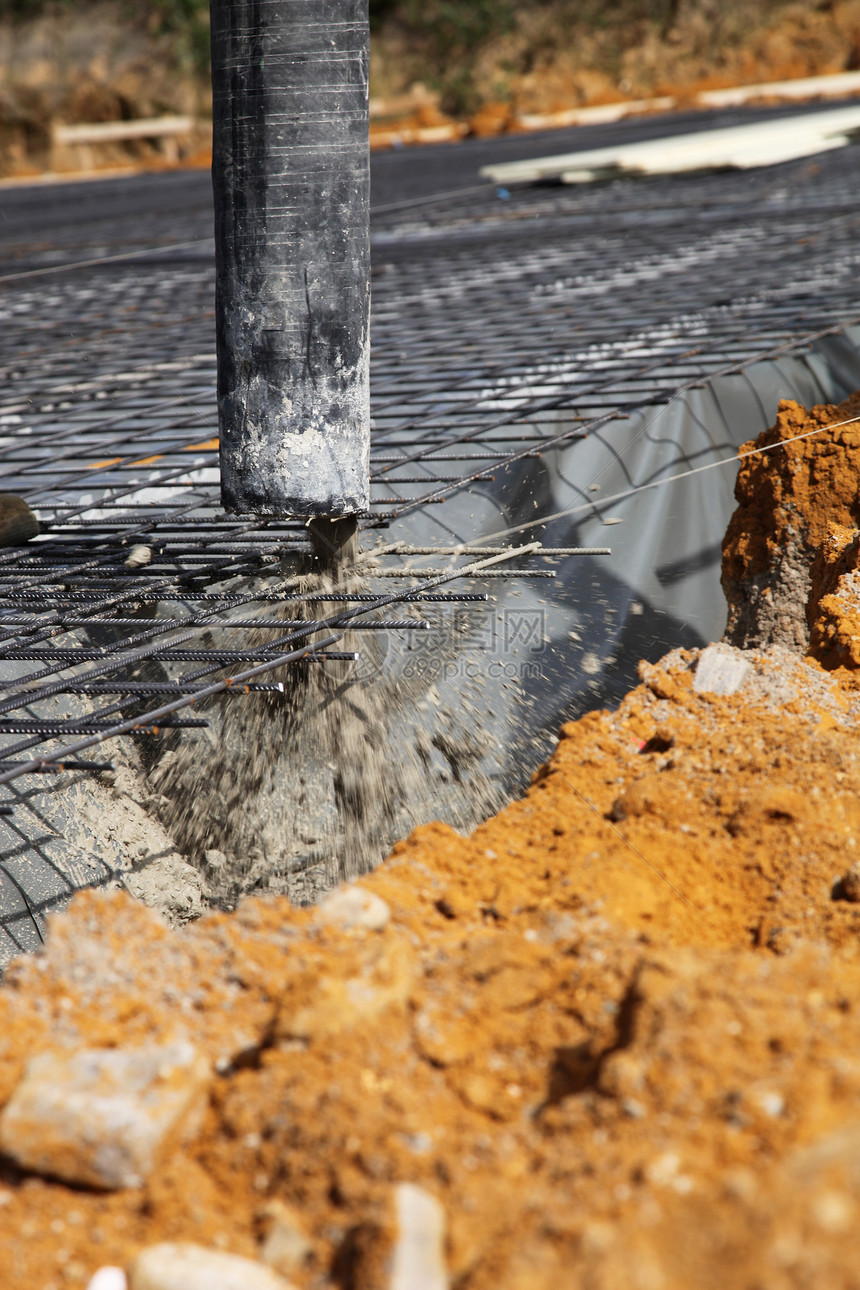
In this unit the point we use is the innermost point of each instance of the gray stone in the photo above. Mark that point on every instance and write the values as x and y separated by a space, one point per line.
418 1261
214 859
183 1266
720 669
354 907
100 1117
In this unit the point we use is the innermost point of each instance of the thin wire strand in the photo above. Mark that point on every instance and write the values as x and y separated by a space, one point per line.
103 259
661 483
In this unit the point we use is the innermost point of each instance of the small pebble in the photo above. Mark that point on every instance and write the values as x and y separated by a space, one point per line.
286 1246
851 885
418 1260
354 907
108 1278
773 1104
184 1266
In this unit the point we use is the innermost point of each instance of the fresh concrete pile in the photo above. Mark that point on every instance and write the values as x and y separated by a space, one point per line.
74 830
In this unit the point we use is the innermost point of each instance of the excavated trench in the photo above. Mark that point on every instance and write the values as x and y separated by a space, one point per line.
292 792
544 362
288 793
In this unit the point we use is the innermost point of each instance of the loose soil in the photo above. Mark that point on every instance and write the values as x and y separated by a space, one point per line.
615 1030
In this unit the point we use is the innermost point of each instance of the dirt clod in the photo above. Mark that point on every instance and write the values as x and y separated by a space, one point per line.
849 885
788 497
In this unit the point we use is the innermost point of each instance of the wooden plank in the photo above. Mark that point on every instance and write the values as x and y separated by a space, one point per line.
156 127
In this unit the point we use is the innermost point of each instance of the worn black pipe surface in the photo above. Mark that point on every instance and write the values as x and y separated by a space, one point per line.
290 174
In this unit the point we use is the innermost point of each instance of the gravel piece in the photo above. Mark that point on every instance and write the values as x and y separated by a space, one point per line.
99 1117
851 885
138 557
354 907
108 1278
720 670
183 1266
286 1246
418 1261
214 859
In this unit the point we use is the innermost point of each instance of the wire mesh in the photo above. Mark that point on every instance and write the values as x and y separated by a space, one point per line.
504 324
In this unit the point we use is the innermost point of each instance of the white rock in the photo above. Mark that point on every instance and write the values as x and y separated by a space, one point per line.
286 1246
418 1261
99 1117
183 1266
108 1278
354 907
720 669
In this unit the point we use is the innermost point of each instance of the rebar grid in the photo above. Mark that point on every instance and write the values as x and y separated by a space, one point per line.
503 324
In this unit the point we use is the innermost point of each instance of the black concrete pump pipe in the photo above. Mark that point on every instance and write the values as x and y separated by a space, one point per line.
291 181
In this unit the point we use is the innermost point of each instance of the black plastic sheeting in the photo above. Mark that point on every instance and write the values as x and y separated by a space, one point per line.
544 363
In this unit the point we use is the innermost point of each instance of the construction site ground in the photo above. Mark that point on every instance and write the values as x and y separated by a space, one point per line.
614 1031
610 1036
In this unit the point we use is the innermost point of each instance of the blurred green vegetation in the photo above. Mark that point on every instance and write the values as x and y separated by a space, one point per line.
169 15
187 21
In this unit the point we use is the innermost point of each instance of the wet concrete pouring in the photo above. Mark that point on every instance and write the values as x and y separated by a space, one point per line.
297 791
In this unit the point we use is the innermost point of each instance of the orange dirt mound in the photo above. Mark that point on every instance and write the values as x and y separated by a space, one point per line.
615 1031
